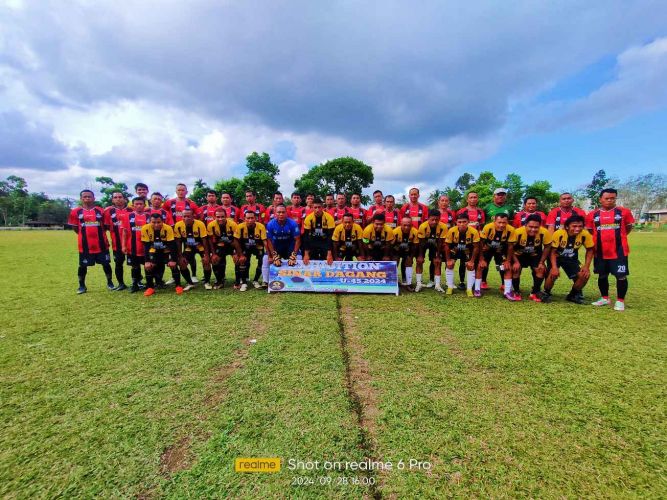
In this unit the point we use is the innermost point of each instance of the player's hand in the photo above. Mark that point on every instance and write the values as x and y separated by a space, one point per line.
306 260
183 262
555 272
516 267
330 259
420 260
205 261
292 259
470 265
585 272
148 266
450 263
483 264
215 259
171 264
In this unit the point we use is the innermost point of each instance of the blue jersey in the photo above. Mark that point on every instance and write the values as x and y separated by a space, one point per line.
283 236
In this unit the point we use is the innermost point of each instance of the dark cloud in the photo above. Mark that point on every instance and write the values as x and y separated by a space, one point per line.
26 144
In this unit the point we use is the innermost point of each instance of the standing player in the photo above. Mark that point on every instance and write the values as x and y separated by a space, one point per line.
418 212
340 209
140 191
249 239
358 212
159 251
113 217
329 203
531 249
497 243
88 222
461 243
497 206
283 241
156 208
392 215
347 240
252 206
447 215
232 212
133 248
318 228
431 236
270 212
207 212
296 212
378 238
477 220
564 255
406 247
529 208
190 234
220 244
378 206
610 226
565 209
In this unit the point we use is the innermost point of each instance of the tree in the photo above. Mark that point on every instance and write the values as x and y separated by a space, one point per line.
17 205
198 194
341 175
433 196
515 188
592 189
484 186
464 182
109 186
546 198
235 187
642 193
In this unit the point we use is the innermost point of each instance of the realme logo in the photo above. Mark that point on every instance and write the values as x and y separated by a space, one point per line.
257 465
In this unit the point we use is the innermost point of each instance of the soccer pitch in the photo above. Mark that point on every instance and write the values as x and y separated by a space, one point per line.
117 395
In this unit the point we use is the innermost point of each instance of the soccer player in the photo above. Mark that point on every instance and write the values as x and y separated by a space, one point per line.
133 248
340 209
88 222
564 255
610 226
270 212
475 214
113 217
310 201
190 234
141 190
378 238
378 206
295 211
529 208
156 208
232 212
176 207
431 235
461 243
392 215
252 206
347 240
283 242
418 212
406 247
447 215
498 205
249 239
318 228
358 212
220 244
497 242
329 203
531 249
207 212
558 215
159 251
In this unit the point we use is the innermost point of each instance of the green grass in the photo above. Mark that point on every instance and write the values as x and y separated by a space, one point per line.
110 394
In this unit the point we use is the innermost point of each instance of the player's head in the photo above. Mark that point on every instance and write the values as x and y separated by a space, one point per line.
433 217
181 190
281 213
533 224
500 196
378 221
188 216
156 200
138 203
250 197
87 197
406 224
295 199
226 199
530 204
389 203
278 198
348 221
211 196
500 221
329 200
608 198
141 189
574 224
118 199
310 199
221 215
318 208
566 200
341 200
462 221
250 218
443 202
472 198
156 221
413 194
377 197
355 200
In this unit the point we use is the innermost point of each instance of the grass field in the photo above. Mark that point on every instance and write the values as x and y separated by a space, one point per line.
116 395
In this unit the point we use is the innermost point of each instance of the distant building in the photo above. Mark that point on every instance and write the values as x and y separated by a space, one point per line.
659 215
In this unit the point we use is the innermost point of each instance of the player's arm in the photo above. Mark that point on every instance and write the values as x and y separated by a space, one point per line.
553 256
238 251
448 254
297 244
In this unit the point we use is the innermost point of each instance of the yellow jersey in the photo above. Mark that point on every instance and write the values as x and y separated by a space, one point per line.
157 242
496 241
225 235
193 235
250 237
346 239
461 242
432 234
319 228
370 236
527 245
568 246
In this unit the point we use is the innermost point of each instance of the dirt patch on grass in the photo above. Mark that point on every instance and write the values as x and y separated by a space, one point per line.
177 457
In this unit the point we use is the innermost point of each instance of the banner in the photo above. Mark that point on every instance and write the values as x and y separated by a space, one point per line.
339 277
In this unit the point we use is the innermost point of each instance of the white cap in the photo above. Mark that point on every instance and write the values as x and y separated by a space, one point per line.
500 191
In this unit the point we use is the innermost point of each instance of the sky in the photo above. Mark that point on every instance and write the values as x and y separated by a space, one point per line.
170 91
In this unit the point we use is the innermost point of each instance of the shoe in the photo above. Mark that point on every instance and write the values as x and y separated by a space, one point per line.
257 285
236 287
545 297
218 286
619 305
121 287
601 302
438 288
149 291
410 288
470 293
243 288
449 291
161 286
461 286
511 297
518 296
134 288
576 298
81 289
141 286
502 288
485 285
430 284
195 279
111 287
477 294
170 282
179 290
208 286
264 284
535 297
418 287
188 287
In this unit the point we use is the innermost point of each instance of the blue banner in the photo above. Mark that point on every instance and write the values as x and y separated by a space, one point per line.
339 277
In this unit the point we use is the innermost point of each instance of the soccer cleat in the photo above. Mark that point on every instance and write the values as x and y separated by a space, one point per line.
485 285
170 282
141 286
161 285
179 290
149 291
243 288
81 289
111 287
121 287
438 288
601 302
134 288
195 279
208 286
470 293
535 297
461 286
518 296
511 297
418 287
430 284
545 297
264 284
449 291
619 305
256 284
477 294
218 285
236 286
575 298
188 287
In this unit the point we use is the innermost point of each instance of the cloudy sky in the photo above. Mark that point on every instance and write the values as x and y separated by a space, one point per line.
167 91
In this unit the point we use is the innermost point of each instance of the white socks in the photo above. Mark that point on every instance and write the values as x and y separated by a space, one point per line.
470 277
408 275
419 278
449 277
437 280
508 286
478 283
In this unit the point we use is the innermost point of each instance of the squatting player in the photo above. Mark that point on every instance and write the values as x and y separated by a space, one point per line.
249 239
283 242
190 234
378 238
406 248
347 240
497 241
461 243
431 236
531 249
220 244
318 228
159 251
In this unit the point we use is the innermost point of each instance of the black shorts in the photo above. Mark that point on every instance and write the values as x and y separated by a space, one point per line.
135 260
318 252
118 256
157 257
90 259
433 252
257 252
527 260
190 256
224 251
348 253
618 267
490 255
570 266
458 254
